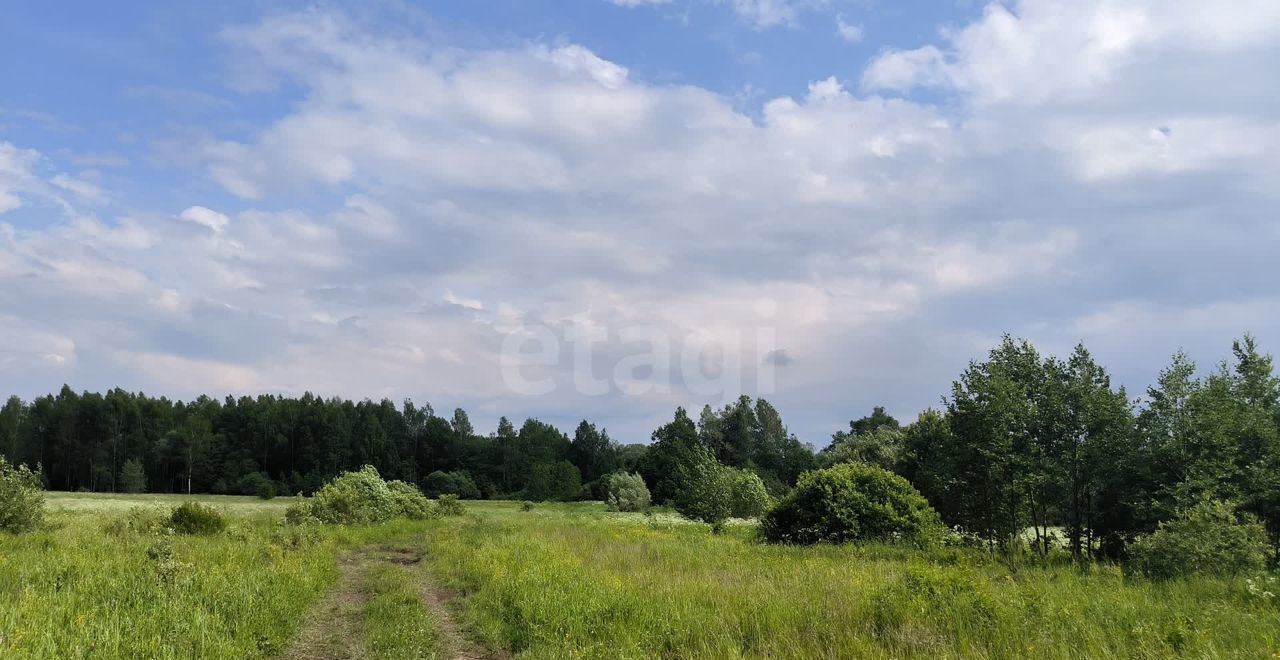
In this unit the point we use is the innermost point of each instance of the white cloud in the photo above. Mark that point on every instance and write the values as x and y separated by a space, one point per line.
850 32
206 217
1040 51
16 175
764 14
1082 165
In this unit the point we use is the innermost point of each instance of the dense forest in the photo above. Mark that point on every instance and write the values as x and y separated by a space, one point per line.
1023 441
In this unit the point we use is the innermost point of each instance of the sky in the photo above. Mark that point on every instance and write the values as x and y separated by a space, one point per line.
610 208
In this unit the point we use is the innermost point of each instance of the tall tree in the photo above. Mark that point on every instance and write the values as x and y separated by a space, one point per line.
675 450
593 452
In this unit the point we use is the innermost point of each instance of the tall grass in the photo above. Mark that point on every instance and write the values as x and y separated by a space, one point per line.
576 581
553 584
87 588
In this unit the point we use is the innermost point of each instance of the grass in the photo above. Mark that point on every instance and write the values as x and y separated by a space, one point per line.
575 581
76 590
397 623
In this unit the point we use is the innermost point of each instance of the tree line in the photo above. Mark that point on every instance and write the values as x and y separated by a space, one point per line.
1024 446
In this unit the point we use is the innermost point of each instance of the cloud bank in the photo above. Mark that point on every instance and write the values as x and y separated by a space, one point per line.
1104 173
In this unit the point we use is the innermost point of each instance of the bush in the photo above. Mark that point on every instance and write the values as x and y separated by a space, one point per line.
714 493
408 501
258 483
625 491
196 518
449 505
458 482
361 498
21 498
706 496
1209 538
748 497
852 502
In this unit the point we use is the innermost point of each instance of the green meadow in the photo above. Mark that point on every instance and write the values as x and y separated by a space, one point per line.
571 580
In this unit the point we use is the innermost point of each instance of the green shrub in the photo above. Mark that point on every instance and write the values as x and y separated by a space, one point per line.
559 481
449 505
707 493
626 492
748 497
258 483
1209 538
133 478
408 501
458 482
852 502
300 513
196 518
361 498
21 498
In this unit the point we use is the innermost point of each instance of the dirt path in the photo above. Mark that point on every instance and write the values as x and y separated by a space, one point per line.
454 641
333 631
332 628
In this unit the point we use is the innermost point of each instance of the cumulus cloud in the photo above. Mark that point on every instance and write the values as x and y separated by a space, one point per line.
414 204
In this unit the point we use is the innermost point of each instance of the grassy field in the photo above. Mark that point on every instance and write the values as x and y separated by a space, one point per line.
571 581
90 587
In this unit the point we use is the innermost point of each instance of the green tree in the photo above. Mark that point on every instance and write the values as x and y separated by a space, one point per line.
878 419
706 493
668 464
995 459
881 447
593 452
558 481
133 478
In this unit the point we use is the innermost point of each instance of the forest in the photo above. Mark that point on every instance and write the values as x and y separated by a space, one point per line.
1024 443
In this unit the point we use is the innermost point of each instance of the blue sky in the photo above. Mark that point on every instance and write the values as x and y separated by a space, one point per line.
831 203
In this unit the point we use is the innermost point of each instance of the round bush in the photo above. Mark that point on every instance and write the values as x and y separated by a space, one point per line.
852 502
196 518
1208 539
748 497
21 499
362 498
458 482
627 492
707 491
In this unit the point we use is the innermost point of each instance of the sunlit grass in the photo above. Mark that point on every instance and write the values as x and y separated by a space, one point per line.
74 590
578 582
573 580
